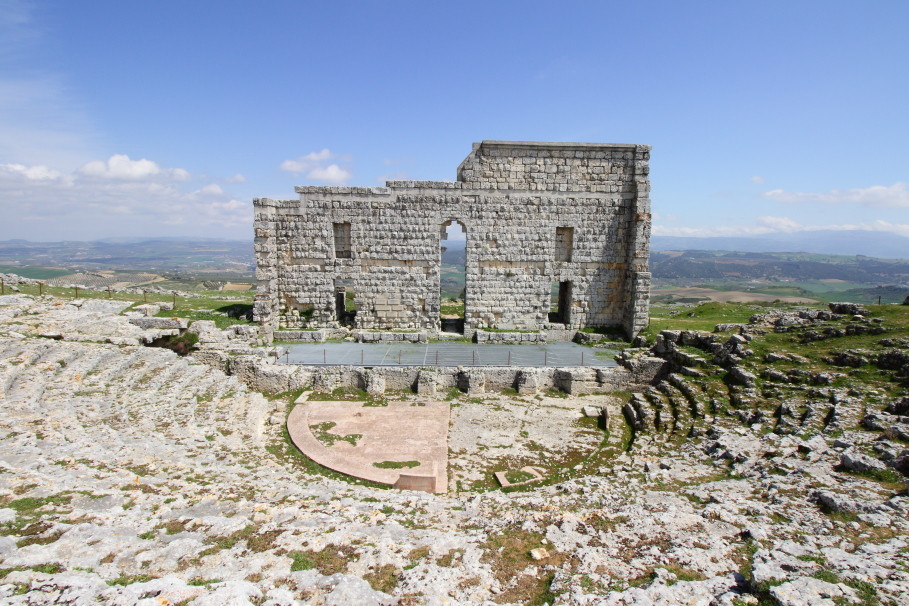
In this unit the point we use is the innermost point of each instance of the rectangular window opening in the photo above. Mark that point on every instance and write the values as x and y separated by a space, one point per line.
341 233
564 243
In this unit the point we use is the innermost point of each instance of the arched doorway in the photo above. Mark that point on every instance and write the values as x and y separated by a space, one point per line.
452 276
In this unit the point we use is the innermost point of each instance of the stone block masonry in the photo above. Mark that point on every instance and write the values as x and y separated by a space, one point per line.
539 217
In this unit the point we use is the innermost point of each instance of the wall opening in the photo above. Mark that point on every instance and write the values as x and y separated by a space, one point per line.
453 277
346 306
295 314
564 242
341 232
560 303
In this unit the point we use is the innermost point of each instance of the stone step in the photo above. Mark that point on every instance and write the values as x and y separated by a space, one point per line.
691 393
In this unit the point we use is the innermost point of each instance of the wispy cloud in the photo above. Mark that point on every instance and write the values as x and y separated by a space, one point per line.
757 179
317 166
774 225
878 196
114 196
119 166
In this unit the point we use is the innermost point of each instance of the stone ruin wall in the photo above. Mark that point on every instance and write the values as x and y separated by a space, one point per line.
533 213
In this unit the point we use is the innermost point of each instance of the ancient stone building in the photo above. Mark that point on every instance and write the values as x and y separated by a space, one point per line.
557 238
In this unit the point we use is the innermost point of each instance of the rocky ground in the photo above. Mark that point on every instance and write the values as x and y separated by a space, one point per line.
767 468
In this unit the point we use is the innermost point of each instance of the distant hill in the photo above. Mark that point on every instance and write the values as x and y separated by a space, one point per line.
722 265
884 245
132 254
454 253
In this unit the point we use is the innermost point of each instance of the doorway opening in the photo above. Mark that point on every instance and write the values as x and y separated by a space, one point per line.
560 303
452 277
346 306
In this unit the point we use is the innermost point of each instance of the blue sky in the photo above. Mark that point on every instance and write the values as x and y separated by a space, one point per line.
167 118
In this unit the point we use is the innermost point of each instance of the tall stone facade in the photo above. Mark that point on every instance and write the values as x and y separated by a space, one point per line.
572 218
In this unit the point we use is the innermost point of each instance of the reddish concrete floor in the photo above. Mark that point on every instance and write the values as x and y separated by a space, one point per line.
399 432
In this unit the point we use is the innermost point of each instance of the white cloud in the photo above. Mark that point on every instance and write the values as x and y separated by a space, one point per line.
333 174
308 162
178 174
212 189
316 166
32 173
757 179
119 166
773 225
238 178
119 197
779 224
878 196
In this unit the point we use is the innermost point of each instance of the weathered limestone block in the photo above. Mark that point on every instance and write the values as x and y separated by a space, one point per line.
472 381
148 309
159 323
304 336
427 383
208 332
564 380
327 378
375 382
262 374
528 382
212 357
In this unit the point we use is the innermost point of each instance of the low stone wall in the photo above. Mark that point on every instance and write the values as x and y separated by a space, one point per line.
265 375
510 338
423 336
365 336
303 336
310 336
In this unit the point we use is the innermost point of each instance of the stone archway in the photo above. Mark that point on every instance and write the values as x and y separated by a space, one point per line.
452 270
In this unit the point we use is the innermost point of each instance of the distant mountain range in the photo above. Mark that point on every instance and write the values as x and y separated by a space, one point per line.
132 254
139 253
880 244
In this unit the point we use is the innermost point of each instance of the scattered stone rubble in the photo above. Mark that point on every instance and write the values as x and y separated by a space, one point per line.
130 475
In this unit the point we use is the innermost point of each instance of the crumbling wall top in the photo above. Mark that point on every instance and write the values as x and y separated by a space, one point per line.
551 166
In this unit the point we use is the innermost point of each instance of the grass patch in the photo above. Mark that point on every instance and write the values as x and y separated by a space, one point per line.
384 578
125 579
890 478
322 432
516 475
202 582
396 464
224 316
452 394
287 453
227 542
28 505
330 560
345 394
702 317
508 554
867 594
827 575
